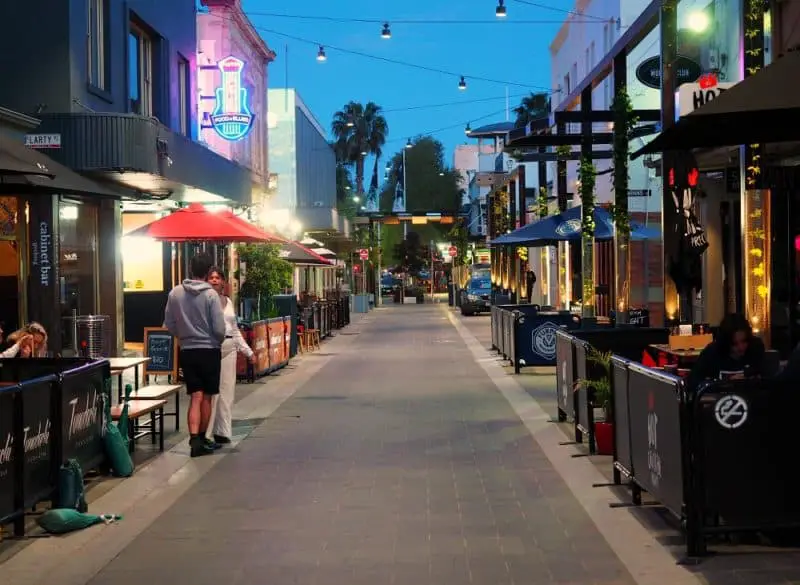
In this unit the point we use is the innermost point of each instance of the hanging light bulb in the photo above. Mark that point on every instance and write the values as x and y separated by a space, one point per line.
468 130
321 56
500 11
386 33
349 122
388 168
408 144
462 85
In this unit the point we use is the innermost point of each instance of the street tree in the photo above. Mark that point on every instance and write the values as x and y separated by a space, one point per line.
532 107
412 255
359 130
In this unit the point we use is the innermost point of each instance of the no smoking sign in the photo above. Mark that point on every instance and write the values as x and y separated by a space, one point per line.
731 411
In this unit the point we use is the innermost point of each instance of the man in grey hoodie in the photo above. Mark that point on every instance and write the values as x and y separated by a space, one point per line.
194 315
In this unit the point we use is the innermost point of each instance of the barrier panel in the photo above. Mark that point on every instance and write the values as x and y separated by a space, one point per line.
533 339
39 398
623 462
83 396
565 376
626 342
11 455
278 357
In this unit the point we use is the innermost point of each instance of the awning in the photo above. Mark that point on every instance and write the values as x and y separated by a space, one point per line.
299 254
762 108
24 170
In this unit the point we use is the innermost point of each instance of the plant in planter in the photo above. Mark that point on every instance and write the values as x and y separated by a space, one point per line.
599 389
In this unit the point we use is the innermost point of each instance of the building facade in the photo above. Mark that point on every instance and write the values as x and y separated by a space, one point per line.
305 165
115 90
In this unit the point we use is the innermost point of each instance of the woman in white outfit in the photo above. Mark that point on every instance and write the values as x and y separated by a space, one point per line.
220 426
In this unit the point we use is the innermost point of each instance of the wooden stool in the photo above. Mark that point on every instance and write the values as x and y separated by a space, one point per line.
301 341
313 338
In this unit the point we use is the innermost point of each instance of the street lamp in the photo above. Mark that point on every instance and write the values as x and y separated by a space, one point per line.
698 21
500 11
356 198
462 84
321 56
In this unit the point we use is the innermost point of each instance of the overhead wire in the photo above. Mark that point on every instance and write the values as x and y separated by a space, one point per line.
450 127
561 10
458 103
393 21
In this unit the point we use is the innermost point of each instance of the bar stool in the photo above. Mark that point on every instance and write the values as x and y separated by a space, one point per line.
313 339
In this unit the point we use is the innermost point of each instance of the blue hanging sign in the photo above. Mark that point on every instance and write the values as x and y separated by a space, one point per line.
232 118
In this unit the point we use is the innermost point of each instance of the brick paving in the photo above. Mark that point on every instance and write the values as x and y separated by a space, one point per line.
398 463
740 564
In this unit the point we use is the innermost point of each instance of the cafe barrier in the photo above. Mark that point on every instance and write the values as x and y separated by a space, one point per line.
623 462
533 335
627 342
44 421
565 376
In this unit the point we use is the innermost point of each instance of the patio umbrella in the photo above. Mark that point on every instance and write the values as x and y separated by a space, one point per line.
195 223
324 252
566 227
763 108
310 242
268 237
296 253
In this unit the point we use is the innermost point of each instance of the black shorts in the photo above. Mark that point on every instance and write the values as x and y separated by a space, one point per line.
201 370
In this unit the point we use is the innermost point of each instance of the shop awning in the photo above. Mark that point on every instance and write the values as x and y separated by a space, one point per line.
24 171
762 108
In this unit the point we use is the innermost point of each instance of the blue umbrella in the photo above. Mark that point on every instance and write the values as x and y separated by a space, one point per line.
566 227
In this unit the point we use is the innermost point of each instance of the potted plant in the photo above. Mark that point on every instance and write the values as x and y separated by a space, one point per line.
599 390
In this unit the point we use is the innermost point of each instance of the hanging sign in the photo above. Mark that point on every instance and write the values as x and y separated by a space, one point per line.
695 95
649 71
231 118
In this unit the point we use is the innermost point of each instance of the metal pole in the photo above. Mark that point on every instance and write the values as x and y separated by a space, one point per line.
405 194
378 297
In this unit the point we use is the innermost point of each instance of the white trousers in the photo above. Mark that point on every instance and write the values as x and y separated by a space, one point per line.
221 421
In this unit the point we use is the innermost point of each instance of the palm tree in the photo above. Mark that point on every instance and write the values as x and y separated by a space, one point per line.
359 130
532 107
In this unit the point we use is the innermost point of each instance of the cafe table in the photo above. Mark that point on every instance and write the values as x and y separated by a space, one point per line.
120 364
681 356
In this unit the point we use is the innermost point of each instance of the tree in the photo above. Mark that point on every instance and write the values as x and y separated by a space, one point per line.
266 274
532 107
359 129
458 235
412 254
430 185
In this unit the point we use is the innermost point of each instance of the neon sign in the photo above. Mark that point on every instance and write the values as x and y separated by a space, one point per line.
231 117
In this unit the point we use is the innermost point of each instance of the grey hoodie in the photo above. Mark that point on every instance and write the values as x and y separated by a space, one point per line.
194 315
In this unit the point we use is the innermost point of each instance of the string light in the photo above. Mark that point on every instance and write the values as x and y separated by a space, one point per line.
408 144
427 21
386 33
500 11
468 130
321 56
462 84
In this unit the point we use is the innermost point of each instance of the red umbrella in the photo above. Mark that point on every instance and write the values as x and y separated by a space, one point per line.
195 223
267 237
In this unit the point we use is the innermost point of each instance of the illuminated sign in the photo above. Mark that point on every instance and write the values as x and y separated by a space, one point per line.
231 117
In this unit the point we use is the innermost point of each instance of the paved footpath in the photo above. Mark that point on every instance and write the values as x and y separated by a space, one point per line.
401 454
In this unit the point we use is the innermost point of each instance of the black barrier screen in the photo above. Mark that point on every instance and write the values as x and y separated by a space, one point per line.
37 437
565 373
625 342
583 371
655 427
6 460
19 370
82 395
747 452
622 437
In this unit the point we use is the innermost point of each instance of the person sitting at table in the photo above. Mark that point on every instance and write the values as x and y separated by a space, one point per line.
19 344
735 353
39 334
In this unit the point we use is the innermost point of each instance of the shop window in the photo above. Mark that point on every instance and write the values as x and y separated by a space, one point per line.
140 71
97 44
78 273
184 111
9 264
142 258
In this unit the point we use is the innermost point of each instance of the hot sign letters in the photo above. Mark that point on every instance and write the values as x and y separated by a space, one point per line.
232 118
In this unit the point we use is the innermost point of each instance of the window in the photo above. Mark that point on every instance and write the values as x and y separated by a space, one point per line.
592 56
574 74
587 63
96 44
567 88
606 47
183 96
140 72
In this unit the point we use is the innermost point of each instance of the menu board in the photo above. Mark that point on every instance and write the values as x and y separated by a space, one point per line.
162 349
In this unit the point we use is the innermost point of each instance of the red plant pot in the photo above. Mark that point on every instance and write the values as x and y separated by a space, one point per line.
604 437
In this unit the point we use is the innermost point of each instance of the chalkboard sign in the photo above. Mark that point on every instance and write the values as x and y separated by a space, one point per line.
639 317
162 349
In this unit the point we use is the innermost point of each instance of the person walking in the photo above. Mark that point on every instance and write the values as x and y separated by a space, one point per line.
220 428
530 282
194 315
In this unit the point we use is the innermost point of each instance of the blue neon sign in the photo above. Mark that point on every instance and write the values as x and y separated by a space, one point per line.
231 117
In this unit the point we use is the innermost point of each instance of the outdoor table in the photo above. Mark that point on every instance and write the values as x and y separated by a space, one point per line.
679 356
118 367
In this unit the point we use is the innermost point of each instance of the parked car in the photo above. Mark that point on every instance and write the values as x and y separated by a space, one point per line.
475 298
388 285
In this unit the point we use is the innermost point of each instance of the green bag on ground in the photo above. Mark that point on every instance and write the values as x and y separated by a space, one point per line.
116 445
63 520
71 494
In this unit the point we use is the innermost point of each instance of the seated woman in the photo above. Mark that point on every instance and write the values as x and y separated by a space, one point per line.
39 334
735 351
19 344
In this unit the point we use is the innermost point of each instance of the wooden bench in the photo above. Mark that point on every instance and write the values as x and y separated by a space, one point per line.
162 392
136 410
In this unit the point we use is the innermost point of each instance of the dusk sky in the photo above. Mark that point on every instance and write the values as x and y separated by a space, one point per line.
516 55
